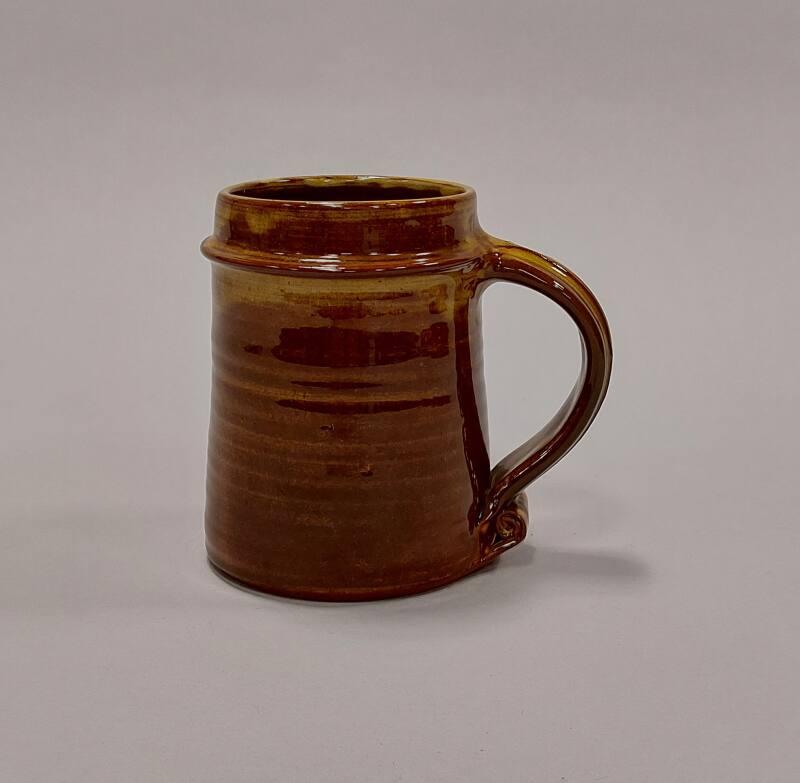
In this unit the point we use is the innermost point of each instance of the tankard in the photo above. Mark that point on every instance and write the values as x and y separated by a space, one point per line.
348 454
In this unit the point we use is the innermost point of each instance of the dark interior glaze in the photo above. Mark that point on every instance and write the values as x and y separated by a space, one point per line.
354 191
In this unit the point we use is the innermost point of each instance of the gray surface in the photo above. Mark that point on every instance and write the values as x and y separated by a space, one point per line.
651 634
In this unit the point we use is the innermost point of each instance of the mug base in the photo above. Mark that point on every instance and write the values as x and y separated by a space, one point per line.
505 532
342 595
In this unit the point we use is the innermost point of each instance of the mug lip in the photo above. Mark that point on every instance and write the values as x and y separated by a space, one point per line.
451 193
403 232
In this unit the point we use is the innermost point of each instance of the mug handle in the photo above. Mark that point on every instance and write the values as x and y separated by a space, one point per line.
504 523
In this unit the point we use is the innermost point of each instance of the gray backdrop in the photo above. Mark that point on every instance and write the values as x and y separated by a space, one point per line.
647 631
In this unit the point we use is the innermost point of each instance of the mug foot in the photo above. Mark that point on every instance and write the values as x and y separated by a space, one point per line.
340 594
497 535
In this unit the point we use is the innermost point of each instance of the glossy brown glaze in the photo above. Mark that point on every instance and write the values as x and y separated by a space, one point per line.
348 455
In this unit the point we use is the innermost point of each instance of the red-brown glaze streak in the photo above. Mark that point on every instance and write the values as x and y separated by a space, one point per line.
348 455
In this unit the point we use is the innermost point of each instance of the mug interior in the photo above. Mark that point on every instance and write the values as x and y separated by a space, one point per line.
345 189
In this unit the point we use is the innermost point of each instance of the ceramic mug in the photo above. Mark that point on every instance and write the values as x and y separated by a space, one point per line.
348 454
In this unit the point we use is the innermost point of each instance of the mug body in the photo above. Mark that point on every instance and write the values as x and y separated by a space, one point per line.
347 449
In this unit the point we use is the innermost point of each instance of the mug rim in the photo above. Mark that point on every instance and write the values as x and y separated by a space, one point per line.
419 223
250 192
